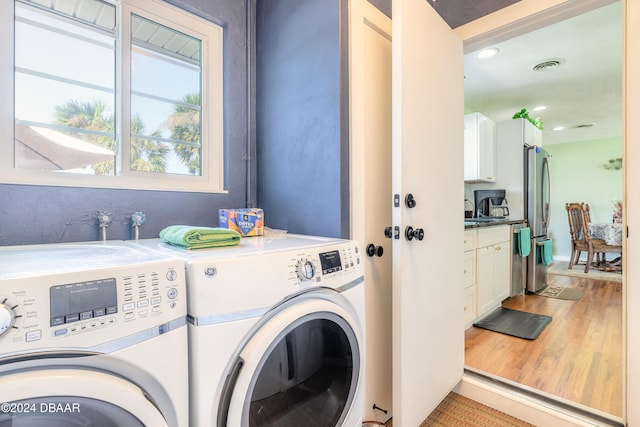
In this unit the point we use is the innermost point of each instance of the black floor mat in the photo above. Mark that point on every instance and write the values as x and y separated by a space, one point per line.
516 323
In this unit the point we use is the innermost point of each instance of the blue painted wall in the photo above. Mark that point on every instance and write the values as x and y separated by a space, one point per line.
301 147
43 214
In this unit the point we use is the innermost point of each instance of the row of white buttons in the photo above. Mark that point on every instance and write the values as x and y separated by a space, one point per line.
142 303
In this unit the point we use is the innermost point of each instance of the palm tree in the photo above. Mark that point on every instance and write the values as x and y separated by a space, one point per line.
93 116
146 154
185 126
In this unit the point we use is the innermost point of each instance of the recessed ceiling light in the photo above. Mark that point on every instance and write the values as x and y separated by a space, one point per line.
558 128
540 108
488 53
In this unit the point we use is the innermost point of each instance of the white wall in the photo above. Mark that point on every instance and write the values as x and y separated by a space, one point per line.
578 175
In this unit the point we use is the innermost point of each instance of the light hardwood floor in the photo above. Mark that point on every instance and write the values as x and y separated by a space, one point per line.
578 357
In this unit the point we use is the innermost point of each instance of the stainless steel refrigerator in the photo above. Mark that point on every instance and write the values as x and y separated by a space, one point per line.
537 187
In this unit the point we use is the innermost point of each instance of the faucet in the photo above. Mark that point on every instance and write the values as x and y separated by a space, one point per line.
137 218
104 219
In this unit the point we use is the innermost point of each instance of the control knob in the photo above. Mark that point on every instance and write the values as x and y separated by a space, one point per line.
305 269
7 317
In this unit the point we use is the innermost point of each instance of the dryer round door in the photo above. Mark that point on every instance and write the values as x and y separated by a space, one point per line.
301 367
73 397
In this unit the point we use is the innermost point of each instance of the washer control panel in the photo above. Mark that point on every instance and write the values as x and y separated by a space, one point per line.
80 309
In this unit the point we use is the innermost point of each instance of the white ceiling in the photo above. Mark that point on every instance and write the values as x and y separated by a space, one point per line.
586 88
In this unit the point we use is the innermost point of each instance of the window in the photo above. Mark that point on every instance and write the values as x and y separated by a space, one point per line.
123 94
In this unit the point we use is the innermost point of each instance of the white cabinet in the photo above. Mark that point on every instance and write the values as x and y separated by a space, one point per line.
479 148
519 132
469 278
492 267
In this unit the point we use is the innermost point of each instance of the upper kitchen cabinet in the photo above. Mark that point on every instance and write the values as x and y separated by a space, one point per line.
518 131
479 148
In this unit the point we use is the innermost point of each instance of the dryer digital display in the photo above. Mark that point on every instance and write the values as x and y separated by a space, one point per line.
330 262
82 301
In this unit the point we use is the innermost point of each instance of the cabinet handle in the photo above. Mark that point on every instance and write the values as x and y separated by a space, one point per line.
498 248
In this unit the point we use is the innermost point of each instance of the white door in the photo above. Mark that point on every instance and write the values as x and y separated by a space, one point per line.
370 85
428 134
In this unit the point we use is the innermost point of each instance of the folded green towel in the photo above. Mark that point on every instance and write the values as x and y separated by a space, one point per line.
524 241
547 249
199 237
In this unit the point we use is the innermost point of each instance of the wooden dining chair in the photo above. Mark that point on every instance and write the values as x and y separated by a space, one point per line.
596 246
575 213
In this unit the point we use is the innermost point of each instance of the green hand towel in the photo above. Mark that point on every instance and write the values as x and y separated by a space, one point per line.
524 241
547 249
199 237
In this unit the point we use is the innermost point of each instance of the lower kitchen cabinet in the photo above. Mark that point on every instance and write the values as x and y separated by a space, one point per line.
469 277
492 268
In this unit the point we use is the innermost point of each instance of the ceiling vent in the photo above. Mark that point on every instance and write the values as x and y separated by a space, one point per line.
548 64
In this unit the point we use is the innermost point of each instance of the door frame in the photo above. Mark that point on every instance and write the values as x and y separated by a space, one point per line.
525 16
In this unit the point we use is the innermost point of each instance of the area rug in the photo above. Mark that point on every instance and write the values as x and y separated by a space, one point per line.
459 411
515 323
561 268
561 292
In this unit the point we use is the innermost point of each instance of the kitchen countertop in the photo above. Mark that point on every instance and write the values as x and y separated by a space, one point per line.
473 224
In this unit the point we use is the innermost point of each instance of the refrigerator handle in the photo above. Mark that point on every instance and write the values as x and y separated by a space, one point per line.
546 185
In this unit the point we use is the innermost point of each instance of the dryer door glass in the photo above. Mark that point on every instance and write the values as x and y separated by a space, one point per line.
309 375
56 411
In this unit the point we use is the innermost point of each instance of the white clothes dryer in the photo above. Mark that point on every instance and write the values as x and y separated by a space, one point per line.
276 332
92 334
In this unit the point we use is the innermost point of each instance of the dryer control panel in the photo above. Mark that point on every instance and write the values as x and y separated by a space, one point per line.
325 265
253 281
87 309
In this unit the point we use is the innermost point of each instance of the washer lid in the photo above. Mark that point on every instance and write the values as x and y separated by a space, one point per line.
36 260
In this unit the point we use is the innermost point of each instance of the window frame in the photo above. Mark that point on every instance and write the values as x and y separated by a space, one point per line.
210 34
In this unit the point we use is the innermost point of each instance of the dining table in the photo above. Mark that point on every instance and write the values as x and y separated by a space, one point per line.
611 233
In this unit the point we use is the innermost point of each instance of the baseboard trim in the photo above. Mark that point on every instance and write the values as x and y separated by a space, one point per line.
526 406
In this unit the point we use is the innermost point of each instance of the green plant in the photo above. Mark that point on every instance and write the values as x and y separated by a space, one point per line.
524 114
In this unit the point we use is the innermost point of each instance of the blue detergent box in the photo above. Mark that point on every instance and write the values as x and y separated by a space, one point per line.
246 221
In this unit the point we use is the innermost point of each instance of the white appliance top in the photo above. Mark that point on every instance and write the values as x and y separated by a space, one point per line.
38 260
271 242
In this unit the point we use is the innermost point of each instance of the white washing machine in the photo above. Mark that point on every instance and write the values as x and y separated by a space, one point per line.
92 334
276 332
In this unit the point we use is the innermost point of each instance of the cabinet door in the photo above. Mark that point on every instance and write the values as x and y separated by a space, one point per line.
428 101
484 280
487 150
469 268
531 134
479 148
469 240
469 305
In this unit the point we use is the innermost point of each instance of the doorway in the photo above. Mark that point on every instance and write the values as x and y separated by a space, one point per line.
604 130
